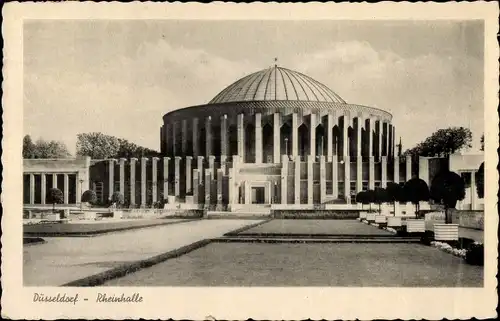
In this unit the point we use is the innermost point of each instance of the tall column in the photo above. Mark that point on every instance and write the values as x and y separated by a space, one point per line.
296 192
165 177
258 138
380 138
310 189
329 137
111 178
208 183
43 189
473 190
423 169
235 187
219 189
396 169
345 135
200 168
208 131
184 139
347 178
276 137
32 189
295 136
359 173
177 177
241 135
370 137
335 177
132 180
154 178
196 147
387 138
322 179
312 135
284 179
66 189
54 180
143 181
196 186
211 165
358 135
408 169
384 172
371 173
174 139
188 174
167 139
223 135
394 141
122 176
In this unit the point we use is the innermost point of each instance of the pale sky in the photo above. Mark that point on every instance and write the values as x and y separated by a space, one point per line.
120 77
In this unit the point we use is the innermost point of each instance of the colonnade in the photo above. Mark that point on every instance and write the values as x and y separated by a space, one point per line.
257 135
54 184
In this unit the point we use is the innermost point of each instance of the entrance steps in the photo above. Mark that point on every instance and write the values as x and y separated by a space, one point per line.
243 211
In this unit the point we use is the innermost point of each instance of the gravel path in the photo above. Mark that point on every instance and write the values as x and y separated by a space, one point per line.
65 259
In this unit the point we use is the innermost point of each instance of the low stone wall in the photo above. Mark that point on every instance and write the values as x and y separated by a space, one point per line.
316 214
468 219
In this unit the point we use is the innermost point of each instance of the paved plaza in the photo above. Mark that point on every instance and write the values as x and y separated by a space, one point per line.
65 259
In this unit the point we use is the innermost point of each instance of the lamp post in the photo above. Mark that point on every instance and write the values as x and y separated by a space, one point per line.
81 194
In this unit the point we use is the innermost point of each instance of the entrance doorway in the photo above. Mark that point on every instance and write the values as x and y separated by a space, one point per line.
258 195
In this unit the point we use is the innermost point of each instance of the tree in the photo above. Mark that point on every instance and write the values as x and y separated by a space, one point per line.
481 141
362 198
29 148
55 196
394 194
100 146
117 198
380 197
480 181
44 149
416 190
370 197
447 188
443 142
89 196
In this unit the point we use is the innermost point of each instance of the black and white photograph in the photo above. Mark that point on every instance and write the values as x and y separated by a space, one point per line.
244 153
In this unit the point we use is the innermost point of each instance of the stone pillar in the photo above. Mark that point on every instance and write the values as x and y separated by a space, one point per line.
276 137
208 182
329 137
473 190
223 135
111 178
423 169
380 137
241 135
184 139
359 173
122 176
335 177
297 181
54 180
43 188
154 178
174 139
345 135
258 138
166 138
165 177
310 189
219 189
196 186
312 135
371 173
394 141
384 172
387 139
208 131
66 189
284 179
177 177
396 170
188 174
408 169
143 181
132 180
357 135
347 179
32 189
295 136
370 137
211 166
196 147
322 179
200 169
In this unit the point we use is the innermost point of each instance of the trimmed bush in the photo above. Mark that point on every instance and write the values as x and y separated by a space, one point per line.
475 254
89 196
117 198
55 196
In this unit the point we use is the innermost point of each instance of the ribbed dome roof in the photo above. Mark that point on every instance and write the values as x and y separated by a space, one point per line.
276 83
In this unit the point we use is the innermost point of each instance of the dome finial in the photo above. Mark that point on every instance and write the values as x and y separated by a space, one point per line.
275 62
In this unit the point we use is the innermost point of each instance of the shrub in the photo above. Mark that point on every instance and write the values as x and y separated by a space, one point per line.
117 198
89 196
54 196
475 254
447 188
416 190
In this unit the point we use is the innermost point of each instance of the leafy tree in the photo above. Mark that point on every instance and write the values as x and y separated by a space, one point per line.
117 198
44 149
89 196
380 196
29 148
416 190
482 142
361 197
394 193
443 142
100 146
54 196
447 188
480 181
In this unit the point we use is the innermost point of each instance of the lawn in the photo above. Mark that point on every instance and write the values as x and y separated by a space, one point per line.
330 264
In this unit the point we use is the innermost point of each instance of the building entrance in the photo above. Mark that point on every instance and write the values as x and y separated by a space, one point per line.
258 195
